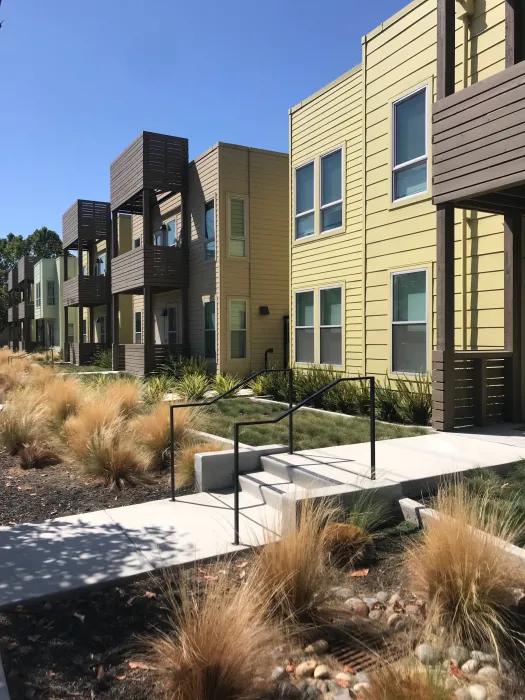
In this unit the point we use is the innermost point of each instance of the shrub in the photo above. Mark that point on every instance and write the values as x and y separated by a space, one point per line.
38 455
111 455
308 381
257 385
294 570
273 384
342 397
103 359
466 577
415 400
401 681
225 382
179 367
192 387
156 387
387 402
126 394
185 462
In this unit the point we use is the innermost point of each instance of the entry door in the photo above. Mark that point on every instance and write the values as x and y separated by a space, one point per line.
50 334
173 325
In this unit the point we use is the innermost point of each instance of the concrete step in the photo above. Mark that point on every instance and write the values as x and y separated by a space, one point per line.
270 494
253 482
328 468
305 473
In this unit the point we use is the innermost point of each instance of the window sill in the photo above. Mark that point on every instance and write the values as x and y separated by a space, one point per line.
320 236
413 199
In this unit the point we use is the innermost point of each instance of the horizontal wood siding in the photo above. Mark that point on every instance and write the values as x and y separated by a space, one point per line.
486 151
331 119
155 161
26 268
26 310
84 353
12 314
149 265
86 291
12 279
87 219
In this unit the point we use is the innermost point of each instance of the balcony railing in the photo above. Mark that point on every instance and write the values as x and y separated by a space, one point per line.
162 267
86 219
26 268
26 310
12 314
86 291
141 359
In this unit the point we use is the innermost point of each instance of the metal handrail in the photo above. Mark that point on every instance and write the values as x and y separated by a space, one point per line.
218 398
289 413
17 357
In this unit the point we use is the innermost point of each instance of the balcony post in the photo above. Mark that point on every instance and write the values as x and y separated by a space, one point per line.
80 324
512 246
184 240
443 356
147 233
514 30
446 51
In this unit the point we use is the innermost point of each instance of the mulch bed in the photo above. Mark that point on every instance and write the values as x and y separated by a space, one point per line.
34 495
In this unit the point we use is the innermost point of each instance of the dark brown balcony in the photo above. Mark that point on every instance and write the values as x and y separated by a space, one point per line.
12 279
12 314
86 220
155 162
478 144
161 267
86 291
141 359
25 268
26 310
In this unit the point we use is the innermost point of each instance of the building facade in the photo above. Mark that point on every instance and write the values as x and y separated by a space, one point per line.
406 190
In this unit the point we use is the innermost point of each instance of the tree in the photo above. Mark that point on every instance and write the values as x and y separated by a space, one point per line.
12 248
44 243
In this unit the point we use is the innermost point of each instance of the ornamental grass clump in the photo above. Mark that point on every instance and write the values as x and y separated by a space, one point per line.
79 428
403 682
126 394
21 424
192 387
112 456
219 642
467 578
185 462
62 397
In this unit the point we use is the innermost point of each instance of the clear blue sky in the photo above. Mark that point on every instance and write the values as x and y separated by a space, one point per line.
81 78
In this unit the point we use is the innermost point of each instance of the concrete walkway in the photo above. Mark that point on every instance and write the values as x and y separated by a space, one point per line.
69 554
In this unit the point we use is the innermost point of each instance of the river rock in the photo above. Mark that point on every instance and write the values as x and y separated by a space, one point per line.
427 654
401 625
488 672
312 693
344 680
361 688
459 654
362 677
395 598
322 685
278 673
289 691
361 610
382 596
306 668
371 602
375 614
483 657
352 602
412 609
470 666
343 593
317 647
462 694
393 619
322 671
478 692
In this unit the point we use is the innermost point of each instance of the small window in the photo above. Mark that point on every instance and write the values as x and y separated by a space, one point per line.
100 265
38 295
70 332
304 201
210 352
237 227
50 293
409 322
173 329
238 345
138 327
331 191
209 230
171 232
136 243
304 327
409 175
84 330
331 331
159 238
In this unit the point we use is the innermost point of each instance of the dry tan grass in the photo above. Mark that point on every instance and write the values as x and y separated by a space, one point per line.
466 577
126 394
152 432
185 461
345 542
13 376
38 454
219 643
62 396
294 568
40 375
79 429
5 354
112 456
401 682
22 422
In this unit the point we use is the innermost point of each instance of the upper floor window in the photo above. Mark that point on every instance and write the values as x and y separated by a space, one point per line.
171 232
38 294
304 201
50 293
409 176
409 321
331 191
237 227
209 230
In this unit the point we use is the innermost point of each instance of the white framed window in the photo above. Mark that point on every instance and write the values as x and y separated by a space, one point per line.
136 243
304 201
331 326
237 226
332 190
209 230
138 327
50 292
304 327
238 329
210 350
173 325
409 147
409 322
171 232
100 265
38 295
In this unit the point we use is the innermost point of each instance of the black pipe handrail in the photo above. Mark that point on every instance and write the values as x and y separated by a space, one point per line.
218 398
28 354
289 413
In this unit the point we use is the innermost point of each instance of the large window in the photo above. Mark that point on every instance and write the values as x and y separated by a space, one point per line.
304 201
209 330
138 327
331 191
100 265
237 227
409 175
171 232
238 344
304 327
50 293
331 330
173 326
209 230
38 295
409 321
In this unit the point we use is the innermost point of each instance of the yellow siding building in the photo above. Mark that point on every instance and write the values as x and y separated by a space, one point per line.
366 229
